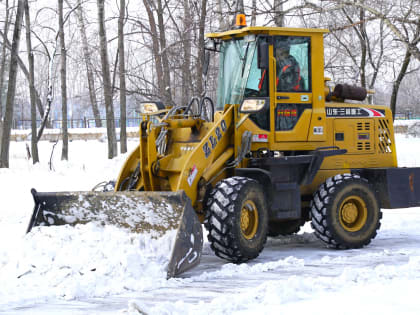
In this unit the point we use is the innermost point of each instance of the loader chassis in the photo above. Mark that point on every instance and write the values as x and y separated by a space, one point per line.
273 156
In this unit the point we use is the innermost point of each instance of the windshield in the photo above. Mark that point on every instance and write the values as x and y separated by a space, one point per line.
235 62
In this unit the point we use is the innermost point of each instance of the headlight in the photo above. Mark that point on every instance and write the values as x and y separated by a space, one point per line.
147 108
151 107
252 105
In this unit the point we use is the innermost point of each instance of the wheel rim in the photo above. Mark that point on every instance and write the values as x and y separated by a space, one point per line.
353 213
249 219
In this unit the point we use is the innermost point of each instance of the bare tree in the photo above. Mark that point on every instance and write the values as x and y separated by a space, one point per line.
88 63
63 79
201 30
403 70
123 101
107 87
7 124
159 49
3 55
49 97
356 52
395 17
34 143
186 44
25 71
164 53
222 22
254 13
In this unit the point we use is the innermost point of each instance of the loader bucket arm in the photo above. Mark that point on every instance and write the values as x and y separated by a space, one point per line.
140 212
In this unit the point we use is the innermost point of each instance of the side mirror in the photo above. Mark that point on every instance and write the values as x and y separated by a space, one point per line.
206 62
262 55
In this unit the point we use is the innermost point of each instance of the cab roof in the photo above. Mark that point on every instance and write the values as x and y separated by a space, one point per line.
266 30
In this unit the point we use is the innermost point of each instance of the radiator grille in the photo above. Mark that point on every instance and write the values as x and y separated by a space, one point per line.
384 139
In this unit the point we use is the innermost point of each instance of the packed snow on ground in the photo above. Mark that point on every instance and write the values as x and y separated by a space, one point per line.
94 269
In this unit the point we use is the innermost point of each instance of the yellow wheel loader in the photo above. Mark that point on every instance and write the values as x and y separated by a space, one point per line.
274 150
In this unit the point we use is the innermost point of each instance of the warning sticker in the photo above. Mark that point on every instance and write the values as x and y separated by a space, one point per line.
192 175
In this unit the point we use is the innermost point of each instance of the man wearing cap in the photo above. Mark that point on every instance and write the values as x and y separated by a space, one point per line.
288 70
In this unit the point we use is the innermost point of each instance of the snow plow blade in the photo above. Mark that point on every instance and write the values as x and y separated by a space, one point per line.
141 212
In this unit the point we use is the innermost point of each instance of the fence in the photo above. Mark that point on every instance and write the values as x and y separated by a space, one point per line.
73 123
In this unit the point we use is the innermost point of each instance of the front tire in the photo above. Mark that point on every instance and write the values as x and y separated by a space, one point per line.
345 212
236 219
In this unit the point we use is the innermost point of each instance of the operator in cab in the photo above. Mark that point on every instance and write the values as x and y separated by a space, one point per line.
288 70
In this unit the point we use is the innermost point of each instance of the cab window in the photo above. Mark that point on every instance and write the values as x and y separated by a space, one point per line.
292 55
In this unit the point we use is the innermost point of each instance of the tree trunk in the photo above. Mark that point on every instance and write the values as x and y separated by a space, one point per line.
155 49
44 119
222 22
63 79
164 55
11 89
254 13
107 88
278 13
34 143
397 83
201 29
363 56
3 57
88 63
186 64
123 103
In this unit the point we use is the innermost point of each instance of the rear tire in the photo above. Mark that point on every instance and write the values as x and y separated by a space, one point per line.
236 219
345 212
276 228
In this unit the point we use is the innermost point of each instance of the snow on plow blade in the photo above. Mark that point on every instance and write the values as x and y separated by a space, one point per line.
141 212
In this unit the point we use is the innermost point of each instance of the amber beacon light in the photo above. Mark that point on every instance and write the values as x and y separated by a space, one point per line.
240 20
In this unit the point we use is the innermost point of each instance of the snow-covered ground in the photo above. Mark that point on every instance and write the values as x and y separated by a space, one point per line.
90 269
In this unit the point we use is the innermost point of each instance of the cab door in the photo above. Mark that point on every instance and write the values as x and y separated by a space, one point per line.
292 110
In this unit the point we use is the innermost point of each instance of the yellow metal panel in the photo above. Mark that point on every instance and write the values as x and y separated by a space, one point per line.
201 159
295 97
358 135
151 158
267 30
218 164
317 127
299 132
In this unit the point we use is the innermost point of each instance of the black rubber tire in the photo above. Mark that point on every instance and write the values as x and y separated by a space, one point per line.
223 219
276 228
327 216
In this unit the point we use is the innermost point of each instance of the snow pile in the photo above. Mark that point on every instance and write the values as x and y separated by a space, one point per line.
414 129
408 151
83 261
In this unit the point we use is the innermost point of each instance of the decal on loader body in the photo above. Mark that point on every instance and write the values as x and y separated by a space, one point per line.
214 139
